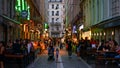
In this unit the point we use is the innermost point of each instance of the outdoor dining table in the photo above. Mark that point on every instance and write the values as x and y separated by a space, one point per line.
20 59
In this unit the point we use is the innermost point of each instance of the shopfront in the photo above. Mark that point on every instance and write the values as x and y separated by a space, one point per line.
86 34
109 29
9 29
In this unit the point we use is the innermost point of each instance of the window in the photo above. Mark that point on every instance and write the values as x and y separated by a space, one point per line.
63 6
59 0
48 13
52 19
57 28
57 19
52 6
54 0
57 6
57 13
52 28
48 6
52 13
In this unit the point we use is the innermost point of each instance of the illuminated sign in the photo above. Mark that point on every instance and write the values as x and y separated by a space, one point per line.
23 9
24 14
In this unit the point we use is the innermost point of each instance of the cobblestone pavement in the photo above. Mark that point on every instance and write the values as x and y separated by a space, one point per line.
73 62
64 62
42 62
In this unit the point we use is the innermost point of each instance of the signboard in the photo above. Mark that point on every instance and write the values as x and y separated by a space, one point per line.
24 14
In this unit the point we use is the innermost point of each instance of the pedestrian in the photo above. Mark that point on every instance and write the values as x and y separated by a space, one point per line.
50 53
61 45
2 49
39 47
69 47
57 54
78 48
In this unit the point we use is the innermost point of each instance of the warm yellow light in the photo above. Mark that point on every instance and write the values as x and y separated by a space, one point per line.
112 32
69 34
43 35
32 30
24 27
46 34
97 34
62 40
104 33
100 33
75 39
87 34
21 24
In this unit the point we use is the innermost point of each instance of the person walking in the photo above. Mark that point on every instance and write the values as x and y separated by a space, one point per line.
50 53
57 54
69 47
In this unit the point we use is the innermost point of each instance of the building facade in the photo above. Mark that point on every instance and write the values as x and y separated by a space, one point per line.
56 18
72 17
9 26
101 17
34 25
16 19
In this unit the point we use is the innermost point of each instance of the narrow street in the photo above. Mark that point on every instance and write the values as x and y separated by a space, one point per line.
63 62
91 28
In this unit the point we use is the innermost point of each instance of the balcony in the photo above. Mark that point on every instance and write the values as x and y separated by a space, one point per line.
55 34
55 24
56 31
54 0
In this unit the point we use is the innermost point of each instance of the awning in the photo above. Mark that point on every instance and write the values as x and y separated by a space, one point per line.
86 29
112 22
6 17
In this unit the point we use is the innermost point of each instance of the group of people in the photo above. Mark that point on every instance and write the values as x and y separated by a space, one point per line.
84 45
52 47
111 48
26 47
72 46
17 47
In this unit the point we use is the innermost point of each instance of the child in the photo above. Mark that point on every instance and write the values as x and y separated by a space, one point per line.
57 54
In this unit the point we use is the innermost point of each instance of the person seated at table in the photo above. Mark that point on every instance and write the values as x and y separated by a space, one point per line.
109 50
9 44
117 51
9 47
100 45
106 47
24 47
93 43
113 45
17 47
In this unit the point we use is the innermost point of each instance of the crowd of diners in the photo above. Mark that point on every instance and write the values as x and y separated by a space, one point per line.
23 47
109 47
17 47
